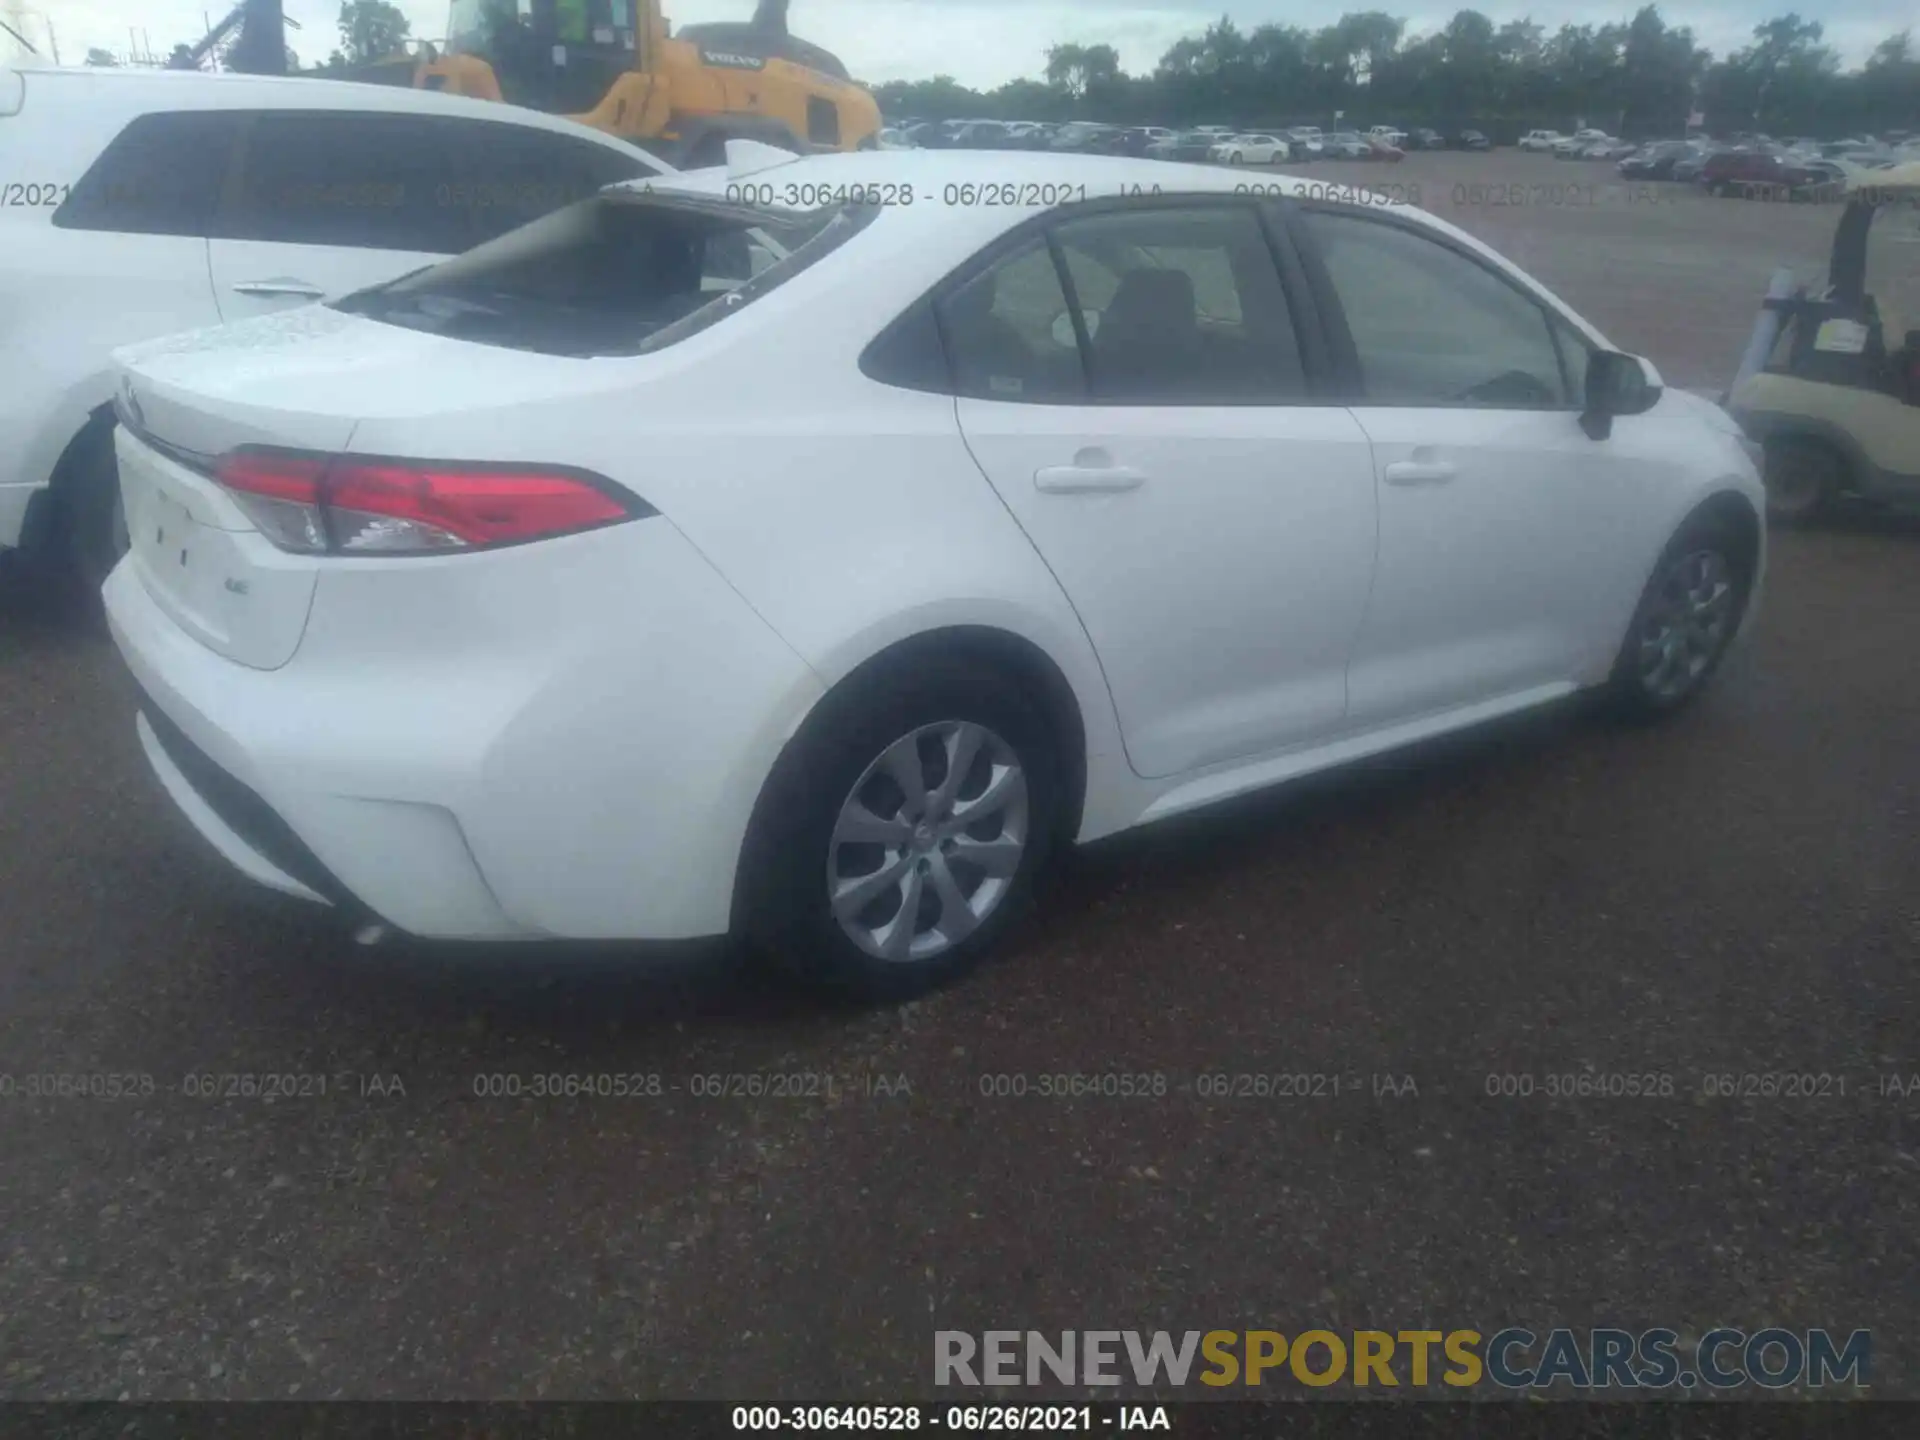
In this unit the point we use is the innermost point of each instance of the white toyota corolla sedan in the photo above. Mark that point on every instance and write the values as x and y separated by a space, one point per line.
632 577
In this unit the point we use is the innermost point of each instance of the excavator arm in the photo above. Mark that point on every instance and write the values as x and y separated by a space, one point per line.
261 48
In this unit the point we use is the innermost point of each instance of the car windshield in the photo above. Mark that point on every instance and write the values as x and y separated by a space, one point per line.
612 275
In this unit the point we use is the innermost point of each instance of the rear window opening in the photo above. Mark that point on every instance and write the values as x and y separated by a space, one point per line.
613 275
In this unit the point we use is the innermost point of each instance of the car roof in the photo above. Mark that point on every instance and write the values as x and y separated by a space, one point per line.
1015 185
141 88
925 231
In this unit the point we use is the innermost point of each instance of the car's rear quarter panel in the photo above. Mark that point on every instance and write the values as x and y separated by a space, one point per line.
845 512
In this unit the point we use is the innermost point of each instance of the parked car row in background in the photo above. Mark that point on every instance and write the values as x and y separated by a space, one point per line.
1756 166
1294 144
1805 161
1298 145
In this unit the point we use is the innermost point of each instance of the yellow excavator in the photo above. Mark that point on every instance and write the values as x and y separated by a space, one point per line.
618 66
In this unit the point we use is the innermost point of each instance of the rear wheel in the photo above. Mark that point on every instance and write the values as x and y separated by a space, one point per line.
1685 622
901 835
1802 477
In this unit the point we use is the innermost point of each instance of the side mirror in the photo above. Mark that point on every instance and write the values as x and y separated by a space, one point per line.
1617 385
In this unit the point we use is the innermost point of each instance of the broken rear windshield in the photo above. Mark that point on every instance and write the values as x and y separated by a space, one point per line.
611 275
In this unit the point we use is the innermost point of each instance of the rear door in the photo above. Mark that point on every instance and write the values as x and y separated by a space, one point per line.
328 202
126 255
1134 385
103 224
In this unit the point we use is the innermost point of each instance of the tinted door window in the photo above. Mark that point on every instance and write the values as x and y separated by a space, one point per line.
368 182
161 175
1433 327
1182 307
498 177
1009 335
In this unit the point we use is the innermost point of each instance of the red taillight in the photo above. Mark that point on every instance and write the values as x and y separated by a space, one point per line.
351 505
291 478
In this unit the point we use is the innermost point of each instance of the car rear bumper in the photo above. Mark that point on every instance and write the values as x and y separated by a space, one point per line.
235 821
564 774
204 725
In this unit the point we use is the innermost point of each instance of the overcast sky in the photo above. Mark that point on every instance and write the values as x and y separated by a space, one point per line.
979 42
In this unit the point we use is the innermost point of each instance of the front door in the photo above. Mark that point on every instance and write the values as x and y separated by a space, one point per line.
1506 534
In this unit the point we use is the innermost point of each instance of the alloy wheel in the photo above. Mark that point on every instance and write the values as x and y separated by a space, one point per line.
1688 623
928 841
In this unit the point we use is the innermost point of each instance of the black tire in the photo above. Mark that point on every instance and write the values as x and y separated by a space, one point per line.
1634 690
93 522
1802 477
785 909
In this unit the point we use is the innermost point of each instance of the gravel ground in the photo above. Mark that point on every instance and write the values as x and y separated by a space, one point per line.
1738 892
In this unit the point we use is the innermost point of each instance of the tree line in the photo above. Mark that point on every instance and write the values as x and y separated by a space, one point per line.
370 31
1640 79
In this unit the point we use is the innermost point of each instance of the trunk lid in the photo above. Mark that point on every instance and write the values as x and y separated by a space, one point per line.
207 391
221 581
300 379
306 378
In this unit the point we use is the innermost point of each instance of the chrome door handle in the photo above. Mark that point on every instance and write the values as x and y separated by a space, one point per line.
298 288
1087 479
1420 472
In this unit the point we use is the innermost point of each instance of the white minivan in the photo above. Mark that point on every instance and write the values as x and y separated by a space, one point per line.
136 203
